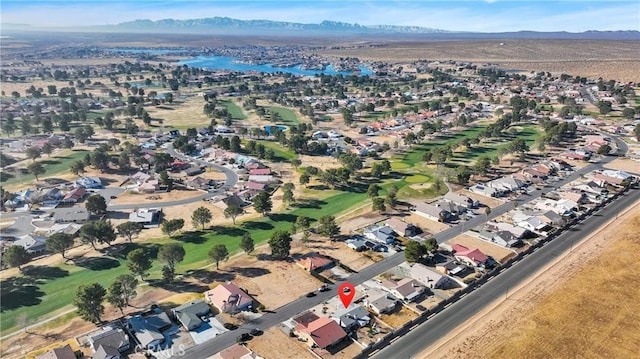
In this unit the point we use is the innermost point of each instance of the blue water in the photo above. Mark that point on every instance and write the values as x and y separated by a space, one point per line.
228 63
268 128
152 51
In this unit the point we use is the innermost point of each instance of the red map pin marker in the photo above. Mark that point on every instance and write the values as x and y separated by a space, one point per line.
346 291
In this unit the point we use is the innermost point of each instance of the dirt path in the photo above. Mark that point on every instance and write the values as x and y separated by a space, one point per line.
492 325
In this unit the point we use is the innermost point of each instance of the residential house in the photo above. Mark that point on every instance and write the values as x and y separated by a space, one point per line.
71 215
74 196
461 200
229 298
401 227
148 217
111 337
263 179
193 171
147 333
64 352
551 218
502 238
236 351
150 186
381 302
189 314
451 207
432 212
452 267
314 262
485 190
518 232
578 197
89 182
200 183
32 243
381 234
534 224
321 332
506 184
430 278
260 172
472 256
356 243
352 317
406 289
51 197
106 353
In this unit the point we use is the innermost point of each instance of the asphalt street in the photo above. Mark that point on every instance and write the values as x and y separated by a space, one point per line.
457 313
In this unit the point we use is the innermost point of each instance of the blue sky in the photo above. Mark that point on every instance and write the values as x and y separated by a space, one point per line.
454 15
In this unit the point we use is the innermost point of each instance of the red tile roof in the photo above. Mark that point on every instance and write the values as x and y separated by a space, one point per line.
260 171
474 254
313 261
324 332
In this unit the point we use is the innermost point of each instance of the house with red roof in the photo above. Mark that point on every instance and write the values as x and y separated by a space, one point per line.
471 256
319 332
229 298
75 196
313 262
260 172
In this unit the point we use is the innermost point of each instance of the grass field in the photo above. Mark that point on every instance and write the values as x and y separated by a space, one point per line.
49 290
234 110
282 154
288 117
54 165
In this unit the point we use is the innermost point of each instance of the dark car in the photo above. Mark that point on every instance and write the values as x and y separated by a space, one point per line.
255 332
311 294
421 308
244 337
325 288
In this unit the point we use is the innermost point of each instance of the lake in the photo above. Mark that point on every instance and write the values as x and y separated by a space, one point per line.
229 63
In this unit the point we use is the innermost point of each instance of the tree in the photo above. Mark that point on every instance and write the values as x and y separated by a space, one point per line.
287 193
88 300
629 113
15 256
97 232
129 229
303 222
168 274
482 165
373 190
165 180
431 244
487 212
262 203
138 262
305 178
604 150
246 243
280 244
171 226
122 291
47 149
172 254
201 216
327 226
77 167
33 153
59 243
36 169
96 205
233 211
218 253
378 204
414 251
604 107
636 131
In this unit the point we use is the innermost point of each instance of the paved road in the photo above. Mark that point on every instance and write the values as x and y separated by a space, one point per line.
442 323
291 309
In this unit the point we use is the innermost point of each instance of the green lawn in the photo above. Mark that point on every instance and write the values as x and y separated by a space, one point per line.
51 289
54 165
234 110
288 117
282 154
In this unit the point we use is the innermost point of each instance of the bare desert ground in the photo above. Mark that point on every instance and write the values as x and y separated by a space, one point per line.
584 305
591 58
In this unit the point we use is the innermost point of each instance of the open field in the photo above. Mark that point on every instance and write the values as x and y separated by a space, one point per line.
591 58
582 305
275 344
234 110
56 164
497 252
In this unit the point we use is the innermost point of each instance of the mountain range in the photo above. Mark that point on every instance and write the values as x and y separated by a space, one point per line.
230 26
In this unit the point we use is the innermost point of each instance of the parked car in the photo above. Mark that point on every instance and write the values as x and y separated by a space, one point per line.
255 332
311 294
324 288
244 337
421 307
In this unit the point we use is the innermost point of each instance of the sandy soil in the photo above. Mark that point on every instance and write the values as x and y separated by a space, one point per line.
270 281
425 224
487 201
497 252
275 344
624 164
339 251
399 317
182 113
560 299
140 198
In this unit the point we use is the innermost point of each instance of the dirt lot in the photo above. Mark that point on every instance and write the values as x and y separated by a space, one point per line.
274 344
270 282
135 198
591 58
347 256
556 314
498 253
398 317
624 164
425 224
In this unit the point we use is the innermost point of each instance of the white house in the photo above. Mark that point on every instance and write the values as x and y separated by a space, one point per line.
430 278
